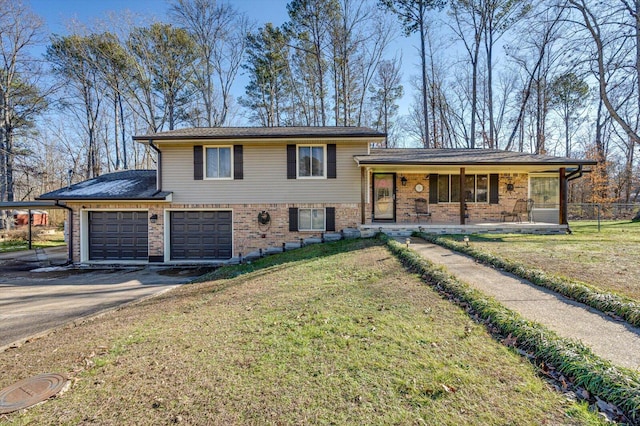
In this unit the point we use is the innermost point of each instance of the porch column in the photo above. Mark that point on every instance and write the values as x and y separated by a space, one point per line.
363 194
462 201
564 197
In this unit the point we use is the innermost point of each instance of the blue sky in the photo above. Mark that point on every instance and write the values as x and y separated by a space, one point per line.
58 13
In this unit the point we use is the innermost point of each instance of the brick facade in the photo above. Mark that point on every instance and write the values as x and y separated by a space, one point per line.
248 234
449 213
251 236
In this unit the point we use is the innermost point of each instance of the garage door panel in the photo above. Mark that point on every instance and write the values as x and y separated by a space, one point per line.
201 235
118 236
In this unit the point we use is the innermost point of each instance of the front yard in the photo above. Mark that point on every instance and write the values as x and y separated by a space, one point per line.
607 259
329 334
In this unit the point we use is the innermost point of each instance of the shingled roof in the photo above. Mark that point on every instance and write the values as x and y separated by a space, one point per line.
263 133
446 157
123 185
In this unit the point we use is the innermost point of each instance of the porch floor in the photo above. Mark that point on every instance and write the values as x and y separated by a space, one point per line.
407 228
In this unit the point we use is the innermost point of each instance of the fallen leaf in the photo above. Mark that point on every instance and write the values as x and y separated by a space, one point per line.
449 389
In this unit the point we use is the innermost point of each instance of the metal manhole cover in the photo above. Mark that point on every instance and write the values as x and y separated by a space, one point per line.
30 391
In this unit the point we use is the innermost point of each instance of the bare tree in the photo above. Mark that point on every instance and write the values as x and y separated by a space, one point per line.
387 91
219 31
534 54
468 24
413 15
20 98
607 25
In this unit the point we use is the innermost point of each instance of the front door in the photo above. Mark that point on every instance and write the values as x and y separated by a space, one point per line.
384 196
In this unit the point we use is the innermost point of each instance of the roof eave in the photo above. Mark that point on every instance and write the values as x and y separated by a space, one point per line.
166 198
360 138
473 163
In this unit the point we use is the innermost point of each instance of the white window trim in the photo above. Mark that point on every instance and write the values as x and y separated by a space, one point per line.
324 219
324 165
204 160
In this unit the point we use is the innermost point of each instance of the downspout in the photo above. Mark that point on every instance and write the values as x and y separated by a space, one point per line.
159 173
575 174
70 242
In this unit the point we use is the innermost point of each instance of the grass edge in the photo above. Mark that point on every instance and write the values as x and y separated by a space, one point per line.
616 385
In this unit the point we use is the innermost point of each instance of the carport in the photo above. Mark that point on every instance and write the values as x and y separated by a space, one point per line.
38 205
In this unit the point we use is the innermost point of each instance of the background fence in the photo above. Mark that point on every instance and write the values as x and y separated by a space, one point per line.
606 211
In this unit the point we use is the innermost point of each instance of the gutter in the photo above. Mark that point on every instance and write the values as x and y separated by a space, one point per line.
159 172
70 242
576 174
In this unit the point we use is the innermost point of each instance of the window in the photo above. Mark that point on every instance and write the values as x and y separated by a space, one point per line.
218 163
545 191
311 220
476 188
311 163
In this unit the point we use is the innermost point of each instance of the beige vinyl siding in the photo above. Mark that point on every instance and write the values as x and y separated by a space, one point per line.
265 177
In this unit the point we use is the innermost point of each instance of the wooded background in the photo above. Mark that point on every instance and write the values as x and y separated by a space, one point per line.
557 77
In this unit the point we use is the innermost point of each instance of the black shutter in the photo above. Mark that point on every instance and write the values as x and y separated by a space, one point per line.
238 170
293 219
291 162
331 161
433 188
197 162
494 186
330 219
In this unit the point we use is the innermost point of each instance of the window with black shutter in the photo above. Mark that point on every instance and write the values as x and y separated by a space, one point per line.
197 163
494 185
293 219
238 166
291 162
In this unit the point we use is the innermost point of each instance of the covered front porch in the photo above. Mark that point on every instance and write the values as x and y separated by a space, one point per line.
449 191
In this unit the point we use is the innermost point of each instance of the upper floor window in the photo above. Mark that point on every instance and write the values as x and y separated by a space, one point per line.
311 161
476 188
218 162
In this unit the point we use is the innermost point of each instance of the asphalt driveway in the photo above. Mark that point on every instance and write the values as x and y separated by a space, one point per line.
34 299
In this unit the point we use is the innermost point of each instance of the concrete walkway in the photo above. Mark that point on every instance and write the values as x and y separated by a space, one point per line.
613 340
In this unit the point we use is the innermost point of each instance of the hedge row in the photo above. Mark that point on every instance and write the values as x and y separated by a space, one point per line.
606 302
615 385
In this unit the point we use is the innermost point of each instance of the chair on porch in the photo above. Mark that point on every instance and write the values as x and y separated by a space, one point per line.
521 207
422 209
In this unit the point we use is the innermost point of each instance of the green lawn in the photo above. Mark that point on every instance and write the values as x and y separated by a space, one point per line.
330 334
607 259
18 241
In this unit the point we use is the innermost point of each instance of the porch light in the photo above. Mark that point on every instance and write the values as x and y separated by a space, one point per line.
403 181
153 218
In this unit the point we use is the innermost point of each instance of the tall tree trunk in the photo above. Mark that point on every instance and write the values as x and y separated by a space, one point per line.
492 125
423 58
115 130
123 132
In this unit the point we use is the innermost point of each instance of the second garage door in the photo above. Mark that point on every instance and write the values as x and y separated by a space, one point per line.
201 235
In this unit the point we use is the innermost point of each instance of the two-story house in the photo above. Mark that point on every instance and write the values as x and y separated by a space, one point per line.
222 193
